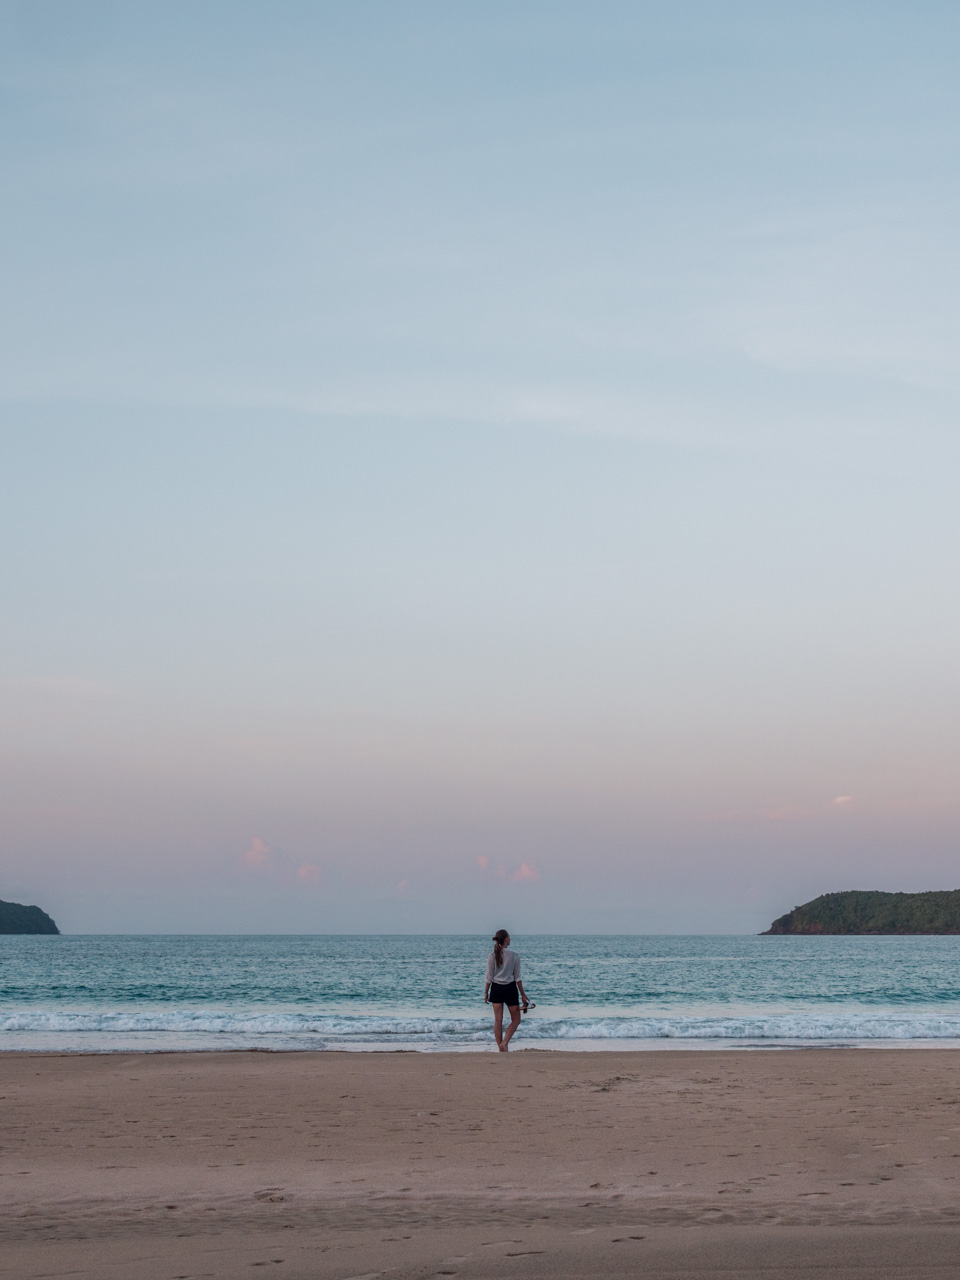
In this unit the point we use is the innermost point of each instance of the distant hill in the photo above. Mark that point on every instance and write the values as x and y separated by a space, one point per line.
16 918
870 911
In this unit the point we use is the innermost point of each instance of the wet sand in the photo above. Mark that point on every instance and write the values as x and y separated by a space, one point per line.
823 1162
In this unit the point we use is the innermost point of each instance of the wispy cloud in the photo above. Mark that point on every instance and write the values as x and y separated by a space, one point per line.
779 811
526 873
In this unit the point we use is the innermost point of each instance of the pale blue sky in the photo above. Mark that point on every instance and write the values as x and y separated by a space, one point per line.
470 466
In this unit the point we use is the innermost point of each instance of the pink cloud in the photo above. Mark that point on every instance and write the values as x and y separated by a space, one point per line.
259 856
401 889
263 859
483 862
526 873
842 800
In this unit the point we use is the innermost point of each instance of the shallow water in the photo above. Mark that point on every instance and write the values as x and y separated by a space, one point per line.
100 993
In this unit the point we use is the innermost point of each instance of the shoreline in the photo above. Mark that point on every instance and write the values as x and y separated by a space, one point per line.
587 1048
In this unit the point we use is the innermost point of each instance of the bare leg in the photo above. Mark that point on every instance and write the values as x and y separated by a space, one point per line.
498 1025
514 1023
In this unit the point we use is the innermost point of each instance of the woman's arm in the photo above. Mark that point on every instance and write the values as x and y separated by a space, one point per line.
489 979
523 995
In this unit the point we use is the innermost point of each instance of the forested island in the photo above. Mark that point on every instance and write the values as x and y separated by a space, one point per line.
16 918
870 911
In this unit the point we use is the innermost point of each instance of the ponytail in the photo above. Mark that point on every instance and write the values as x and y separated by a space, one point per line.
499 938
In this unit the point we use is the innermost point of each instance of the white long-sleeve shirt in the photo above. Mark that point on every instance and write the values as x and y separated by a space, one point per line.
509 970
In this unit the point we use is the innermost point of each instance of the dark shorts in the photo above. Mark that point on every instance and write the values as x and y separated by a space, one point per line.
504 993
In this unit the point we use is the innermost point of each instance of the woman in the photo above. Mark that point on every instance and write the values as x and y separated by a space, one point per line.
503 987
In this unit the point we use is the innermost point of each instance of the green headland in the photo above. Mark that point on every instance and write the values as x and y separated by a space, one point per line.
16 918
870 911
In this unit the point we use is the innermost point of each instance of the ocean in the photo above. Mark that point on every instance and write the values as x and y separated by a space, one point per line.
78 993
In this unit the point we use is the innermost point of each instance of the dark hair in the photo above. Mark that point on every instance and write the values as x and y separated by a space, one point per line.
499 938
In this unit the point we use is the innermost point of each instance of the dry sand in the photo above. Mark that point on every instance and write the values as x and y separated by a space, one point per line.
823 1162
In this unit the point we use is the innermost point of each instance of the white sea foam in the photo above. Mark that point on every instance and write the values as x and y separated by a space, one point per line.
287 1029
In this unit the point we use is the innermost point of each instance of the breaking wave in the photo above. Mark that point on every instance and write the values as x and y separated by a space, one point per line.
301 1029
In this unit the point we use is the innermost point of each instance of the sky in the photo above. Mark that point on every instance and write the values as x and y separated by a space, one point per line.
474 466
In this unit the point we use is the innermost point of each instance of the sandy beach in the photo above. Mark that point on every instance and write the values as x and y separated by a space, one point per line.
837 1162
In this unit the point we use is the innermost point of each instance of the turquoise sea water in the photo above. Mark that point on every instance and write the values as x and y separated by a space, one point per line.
375 992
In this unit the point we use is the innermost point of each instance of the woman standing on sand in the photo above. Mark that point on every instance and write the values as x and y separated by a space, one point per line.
503 987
